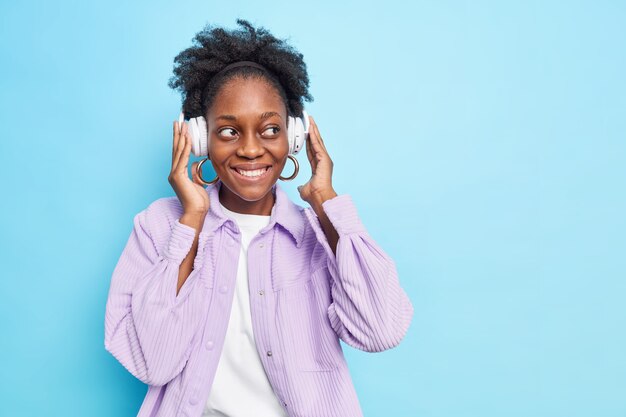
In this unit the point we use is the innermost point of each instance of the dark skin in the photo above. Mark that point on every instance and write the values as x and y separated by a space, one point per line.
247 127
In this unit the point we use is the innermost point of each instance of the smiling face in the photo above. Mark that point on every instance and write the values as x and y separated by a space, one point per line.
248 146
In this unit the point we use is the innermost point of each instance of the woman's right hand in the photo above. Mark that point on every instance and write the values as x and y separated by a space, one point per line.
191 194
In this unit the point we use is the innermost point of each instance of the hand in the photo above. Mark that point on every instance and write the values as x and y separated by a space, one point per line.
192 195
319 188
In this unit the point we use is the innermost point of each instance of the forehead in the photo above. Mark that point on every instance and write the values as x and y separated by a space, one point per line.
241 96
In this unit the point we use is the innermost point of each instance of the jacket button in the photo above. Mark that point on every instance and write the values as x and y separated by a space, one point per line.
261 292
269 353
223 289
209 345
260 245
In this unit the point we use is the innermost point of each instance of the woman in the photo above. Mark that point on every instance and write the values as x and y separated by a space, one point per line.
230 300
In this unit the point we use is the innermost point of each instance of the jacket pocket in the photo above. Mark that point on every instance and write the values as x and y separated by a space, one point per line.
205 259
305 330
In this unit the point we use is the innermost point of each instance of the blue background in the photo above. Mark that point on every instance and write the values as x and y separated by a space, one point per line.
483 143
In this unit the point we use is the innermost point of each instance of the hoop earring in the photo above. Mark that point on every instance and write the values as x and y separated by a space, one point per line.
295 172
199 172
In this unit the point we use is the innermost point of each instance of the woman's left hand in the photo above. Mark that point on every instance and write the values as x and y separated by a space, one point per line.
319 188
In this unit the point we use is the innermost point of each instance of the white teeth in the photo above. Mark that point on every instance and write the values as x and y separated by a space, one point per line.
252 173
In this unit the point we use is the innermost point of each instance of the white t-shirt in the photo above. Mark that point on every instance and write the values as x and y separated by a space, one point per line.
241 387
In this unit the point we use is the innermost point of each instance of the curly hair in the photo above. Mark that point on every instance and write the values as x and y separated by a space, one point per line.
214 48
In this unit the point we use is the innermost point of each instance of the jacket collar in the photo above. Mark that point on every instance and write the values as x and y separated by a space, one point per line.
284 212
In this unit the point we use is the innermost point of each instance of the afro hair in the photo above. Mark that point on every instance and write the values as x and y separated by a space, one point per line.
214 48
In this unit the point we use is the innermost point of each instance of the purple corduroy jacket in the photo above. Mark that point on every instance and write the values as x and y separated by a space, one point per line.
304 299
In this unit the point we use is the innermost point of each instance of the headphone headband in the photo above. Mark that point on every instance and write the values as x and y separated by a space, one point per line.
243 64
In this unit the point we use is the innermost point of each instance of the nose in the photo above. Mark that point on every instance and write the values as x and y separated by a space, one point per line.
250 146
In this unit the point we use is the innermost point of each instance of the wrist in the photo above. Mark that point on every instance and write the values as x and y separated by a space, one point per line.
193 219
319 197
195 213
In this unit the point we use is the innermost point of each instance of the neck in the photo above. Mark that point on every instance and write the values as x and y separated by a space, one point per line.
261 207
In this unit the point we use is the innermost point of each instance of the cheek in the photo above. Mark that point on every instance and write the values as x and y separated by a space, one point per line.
218 152
280 147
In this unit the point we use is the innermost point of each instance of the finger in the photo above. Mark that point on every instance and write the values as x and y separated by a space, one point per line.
180 147
309 154
176 147
316 146
184 161
308 148
319 135
174 141
315 137
194 173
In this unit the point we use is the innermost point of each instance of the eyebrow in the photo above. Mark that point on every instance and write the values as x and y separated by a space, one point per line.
263 116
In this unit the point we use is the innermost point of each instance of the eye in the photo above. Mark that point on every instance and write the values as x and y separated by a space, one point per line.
271 131
227 132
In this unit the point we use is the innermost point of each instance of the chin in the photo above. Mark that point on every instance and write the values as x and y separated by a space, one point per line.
252 195
249 190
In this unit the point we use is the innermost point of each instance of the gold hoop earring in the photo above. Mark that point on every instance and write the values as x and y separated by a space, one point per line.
199 172
295 172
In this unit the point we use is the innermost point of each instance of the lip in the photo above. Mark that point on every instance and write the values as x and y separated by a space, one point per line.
251 167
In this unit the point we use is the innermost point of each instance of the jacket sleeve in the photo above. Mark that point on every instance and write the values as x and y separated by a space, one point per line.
148 327
369 310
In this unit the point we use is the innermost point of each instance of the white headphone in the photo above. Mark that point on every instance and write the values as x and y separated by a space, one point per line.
297 133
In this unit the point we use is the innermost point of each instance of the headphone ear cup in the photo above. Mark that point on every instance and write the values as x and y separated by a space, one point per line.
298 132
198 131
204 140
291 133
298 141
